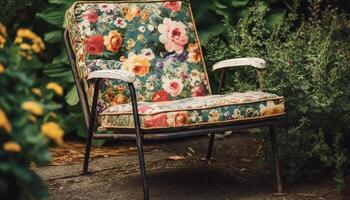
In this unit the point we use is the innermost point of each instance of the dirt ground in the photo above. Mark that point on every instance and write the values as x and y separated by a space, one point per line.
236 173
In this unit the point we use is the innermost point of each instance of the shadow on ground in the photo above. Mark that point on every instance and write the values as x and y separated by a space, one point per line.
235 174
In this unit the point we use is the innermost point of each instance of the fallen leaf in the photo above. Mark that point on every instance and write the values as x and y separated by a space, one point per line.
191 150
176 157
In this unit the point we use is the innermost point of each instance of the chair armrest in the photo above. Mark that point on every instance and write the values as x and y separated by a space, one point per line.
113 74
258 63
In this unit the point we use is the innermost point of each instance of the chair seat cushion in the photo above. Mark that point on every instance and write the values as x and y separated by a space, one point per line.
214 109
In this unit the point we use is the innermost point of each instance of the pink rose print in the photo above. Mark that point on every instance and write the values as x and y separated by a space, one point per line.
144 109
174 6
173 35
91 16
173 87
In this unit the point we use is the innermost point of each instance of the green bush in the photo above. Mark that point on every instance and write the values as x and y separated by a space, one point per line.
308 64
27 117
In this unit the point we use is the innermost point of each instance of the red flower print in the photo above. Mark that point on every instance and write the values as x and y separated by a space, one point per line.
94 44
159 120
91 16
173 6
160 95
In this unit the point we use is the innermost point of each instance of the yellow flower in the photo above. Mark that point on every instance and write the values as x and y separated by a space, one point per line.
26 33
4 122
3 30
36 48
36 45
33 107
140 37
18 40
37 91
12 147
138 64
131 12
55 87
144 15
25 46
113 41
53 131
131 43
32 118
2 41
2 68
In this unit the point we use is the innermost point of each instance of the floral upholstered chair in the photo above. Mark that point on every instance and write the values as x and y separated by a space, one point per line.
139 69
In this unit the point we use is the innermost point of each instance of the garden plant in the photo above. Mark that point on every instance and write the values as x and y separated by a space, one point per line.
306 44
28 122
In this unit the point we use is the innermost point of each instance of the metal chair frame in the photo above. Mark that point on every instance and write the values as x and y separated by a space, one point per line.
90 117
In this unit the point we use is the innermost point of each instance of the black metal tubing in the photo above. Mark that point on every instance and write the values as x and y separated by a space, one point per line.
210 146
91 126
78 83
139 142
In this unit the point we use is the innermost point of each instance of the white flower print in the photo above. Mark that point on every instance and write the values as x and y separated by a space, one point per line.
120 22
148 53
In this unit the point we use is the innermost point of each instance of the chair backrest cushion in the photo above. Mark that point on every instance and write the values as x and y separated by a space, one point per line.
156 40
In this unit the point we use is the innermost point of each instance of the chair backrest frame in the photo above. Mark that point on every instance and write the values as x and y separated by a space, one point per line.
80 89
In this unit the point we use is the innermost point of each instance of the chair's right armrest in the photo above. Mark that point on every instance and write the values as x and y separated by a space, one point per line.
113 74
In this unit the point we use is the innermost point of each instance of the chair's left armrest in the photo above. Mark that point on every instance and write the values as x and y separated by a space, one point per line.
113 74
122 75
258 63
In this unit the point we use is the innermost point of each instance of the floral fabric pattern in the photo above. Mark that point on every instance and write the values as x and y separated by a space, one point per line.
156 41
195 111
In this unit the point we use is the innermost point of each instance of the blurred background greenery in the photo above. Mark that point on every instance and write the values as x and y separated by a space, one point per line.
306 45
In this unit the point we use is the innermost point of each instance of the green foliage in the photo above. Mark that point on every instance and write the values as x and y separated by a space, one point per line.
10 8
308 64
22 141
209 13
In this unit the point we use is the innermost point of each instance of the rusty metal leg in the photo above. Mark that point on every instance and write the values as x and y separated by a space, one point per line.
210 146
276 161
91 127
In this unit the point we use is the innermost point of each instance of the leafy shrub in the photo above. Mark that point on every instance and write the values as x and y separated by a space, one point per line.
308 64
27 118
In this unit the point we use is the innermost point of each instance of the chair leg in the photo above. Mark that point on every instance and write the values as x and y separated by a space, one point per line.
139 142
91 127
210 146
276 161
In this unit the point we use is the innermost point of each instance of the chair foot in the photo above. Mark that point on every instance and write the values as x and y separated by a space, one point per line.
87 156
